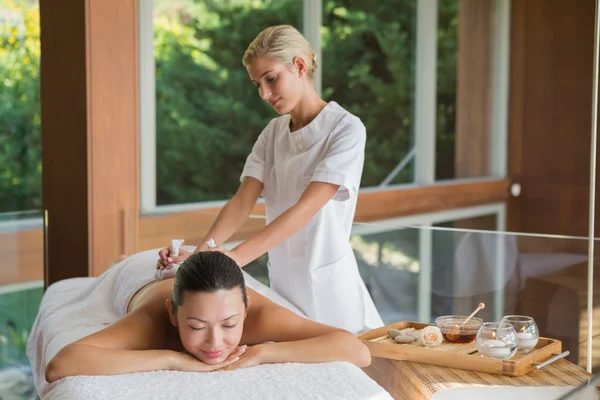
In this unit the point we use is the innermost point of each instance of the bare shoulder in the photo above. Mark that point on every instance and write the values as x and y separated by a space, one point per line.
268 321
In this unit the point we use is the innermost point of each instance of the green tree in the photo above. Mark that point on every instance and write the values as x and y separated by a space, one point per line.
20 146
208 114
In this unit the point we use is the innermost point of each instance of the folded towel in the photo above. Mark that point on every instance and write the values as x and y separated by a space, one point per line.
74 308
329 381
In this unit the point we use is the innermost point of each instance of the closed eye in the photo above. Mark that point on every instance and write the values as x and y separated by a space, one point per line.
229 326
197 329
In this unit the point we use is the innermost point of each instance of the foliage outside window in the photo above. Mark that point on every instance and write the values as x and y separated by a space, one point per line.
208 114
20 145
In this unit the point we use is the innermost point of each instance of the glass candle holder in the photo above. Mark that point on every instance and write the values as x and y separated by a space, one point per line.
527 331
497 340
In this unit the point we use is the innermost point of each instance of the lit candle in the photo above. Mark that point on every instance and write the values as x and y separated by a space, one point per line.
527 340
493 348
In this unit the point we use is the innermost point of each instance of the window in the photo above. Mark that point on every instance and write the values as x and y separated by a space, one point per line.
369 68
20 145
208 114
21 243
393 63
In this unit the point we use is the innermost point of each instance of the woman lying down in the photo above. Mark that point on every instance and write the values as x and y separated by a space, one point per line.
204 320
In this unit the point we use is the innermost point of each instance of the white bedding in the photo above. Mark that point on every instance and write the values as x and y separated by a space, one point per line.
58 324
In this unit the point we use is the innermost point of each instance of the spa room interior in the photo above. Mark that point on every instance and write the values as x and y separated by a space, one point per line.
125 124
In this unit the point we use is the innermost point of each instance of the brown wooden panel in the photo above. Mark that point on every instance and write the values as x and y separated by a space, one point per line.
399 203
89 88
63 80
474 88
550 115
113 130
22 256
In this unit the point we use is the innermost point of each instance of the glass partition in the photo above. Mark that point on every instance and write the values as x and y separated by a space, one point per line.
21 230
420 273
21 290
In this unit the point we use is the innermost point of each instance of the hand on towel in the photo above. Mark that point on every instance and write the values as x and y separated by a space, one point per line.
166 260
253 356
188 363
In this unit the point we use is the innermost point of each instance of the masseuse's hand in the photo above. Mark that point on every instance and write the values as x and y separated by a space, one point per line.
188 363
166 260
253 356
230 253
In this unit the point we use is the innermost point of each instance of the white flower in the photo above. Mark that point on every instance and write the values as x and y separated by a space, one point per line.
211 243
431 336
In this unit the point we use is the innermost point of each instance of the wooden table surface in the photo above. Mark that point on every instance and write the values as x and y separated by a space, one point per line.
408 380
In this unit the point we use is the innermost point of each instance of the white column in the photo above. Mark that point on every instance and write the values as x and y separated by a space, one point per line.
147 104
424 133
501 66
500 270
425 259
425 91
312 20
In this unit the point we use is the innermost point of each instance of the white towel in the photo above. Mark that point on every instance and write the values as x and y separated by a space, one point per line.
329 381
74 308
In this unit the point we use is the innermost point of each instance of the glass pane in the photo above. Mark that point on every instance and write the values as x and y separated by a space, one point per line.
420 273
21 290
368 68
388 261
208 113
21 233
20 145
465 82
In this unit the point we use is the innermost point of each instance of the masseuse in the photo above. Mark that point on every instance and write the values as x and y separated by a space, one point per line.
307 164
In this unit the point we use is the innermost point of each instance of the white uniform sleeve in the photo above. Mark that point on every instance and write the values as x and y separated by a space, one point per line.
255 163
344 160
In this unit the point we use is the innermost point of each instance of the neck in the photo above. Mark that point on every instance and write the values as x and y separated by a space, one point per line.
307 109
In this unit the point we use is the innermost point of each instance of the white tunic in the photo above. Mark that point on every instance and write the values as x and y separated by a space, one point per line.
315 268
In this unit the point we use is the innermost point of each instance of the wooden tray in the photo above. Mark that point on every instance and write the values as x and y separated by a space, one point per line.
457 355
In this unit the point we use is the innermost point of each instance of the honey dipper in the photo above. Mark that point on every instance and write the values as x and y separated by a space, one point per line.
456 329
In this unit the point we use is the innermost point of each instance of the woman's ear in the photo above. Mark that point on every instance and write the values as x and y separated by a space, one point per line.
300 66
172 316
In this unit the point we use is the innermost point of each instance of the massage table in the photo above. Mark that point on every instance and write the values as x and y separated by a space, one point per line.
72 309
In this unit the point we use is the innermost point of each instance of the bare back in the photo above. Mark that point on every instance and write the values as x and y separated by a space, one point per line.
146 326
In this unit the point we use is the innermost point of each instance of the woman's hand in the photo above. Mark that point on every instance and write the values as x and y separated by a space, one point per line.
188 363
254 355
166 260
230 253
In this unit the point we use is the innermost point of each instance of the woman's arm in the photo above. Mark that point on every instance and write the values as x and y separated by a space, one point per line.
233 215
315 196
132 344
82 359
297 339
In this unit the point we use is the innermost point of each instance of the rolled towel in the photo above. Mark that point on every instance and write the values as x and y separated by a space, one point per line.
173 251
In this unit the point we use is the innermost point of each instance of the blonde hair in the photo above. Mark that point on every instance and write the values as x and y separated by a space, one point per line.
282 42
